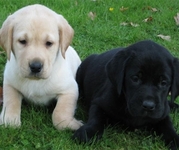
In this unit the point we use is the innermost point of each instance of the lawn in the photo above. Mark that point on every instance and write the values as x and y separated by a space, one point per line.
99 25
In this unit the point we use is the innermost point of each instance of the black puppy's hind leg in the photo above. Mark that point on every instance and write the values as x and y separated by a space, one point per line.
166 129
94 126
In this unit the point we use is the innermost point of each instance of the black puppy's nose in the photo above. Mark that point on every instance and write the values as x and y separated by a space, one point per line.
148 105
35 66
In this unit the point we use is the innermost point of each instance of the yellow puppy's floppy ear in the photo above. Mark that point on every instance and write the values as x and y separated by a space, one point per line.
66 34
6 36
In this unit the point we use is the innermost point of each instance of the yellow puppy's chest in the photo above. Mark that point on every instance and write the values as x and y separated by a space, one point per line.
40 99
39 91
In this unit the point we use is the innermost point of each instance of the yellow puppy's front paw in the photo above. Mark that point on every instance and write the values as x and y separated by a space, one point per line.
75 124
10 120
72 124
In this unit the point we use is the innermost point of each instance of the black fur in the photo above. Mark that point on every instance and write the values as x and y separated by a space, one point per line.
130 86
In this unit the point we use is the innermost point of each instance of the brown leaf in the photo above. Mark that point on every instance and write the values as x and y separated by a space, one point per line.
177 19
91 15
134 25
124 24
154 9
150 8
123 8
164 37
148 19
131 24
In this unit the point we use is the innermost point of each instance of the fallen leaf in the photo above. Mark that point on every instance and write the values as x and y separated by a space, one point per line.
91 15
154 9
123 8
150 8
134 25
124 24
148 19
131 24
177 19
164 37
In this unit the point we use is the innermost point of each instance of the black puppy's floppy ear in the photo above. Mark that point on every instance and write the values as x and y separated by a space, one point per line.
175 82
115 68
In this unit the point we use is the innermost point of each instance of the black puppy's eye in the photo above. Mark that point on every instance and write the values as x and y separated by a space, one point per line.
163 82
23 42
48 43
135 79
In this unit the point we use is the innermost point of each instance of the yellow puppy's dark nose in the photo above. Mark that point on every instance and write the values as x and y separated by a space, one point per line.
35 66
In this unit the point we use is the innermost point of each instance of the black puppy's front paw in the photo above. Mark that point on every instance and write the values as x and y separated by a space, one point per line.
86 134
174 145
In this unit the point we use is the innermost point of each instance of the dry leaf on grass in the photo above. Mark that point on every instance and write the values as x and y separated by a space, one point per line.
150 8
124 24
123 8
131 24
154 9
177 19
91 15
1 95
134 24
164 37
148 19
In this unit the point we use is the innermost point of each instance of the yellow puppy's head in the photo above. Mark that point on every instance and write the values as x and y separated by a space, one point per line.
34 34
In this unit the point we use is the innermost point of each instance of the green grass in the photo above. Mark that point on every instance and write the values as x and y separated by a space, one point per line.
93 36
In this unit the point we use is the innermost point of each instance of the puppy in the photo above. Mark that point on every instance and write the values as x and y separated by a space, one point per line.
41 65
129 86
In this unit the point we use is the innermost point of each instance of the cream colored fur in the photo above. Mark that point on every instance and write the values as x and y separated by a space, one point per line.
37 33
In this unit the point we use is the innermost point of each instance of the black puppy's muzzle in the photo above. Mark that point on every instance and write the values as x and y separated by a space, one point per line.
35 67
148 105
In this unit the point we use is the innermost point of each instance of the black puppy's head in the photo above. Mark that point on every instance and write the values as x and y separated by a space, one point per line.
145 72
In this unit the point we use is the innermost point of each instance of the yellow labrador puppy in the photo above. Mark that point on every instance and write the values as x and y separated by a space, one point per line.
41 65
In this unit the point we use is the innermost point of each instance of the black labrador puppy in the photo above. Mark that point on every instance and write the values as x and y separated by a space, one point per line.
130 86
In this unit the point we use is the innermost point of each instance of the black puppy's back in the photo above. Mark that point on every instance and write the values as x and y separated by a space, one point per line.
92 67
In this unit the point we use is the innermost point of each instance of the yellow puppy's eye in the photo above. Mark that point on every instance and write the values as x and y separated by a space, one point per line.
48 43
23 42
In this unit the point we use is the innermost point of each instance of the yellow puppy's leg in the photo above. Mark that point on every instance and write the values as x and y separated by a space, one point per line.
10 115
63 114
